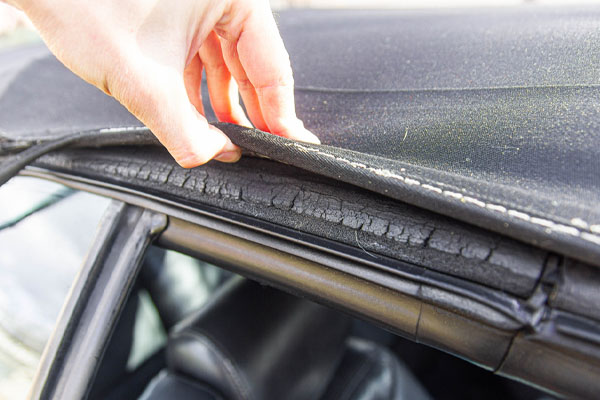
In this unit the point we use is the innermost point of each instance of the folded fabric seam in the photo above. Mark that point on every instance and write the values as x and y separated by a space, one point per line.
135 135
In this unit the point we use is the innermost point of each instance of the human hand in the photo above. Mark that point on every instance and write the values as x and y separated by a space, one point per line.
149 55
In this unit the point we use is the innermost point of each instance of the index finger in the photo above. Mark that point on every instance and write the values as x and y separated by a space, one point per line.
267 65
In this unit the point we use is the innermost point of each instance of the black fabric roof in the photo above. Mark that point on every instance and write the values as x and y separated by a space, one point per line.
490 116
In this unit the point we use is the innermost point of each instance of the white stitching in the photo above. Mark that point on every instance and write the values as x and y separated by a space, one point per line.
454 195
549 225
519 214
123 129
578 222
590 237
569 230
432 188
467 199
542 222
496 207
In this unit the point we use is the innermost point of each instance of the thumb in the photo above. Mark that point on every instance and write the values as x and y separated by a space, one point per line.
158 98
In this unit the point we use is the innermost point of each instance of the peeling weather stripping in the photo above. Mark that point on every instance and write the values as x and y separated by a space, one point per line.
550 226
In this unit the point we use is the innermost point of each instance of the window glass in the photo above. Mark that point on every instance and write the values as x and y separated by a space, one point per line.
46 230
171 287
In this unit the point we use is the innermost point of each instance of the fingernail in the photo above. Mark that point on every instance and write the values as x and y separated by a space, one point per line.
229 156
230 147
310 137
302 134
227 146
243 121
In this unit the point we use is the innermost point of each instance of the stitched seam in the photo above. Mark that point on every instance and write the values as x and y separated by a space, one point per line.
546 223
576 229
327 90
492 200
227 365
595 228
124 129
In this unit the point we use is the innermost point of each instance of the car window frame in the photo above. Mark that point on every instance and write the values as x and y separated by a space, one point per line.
98 295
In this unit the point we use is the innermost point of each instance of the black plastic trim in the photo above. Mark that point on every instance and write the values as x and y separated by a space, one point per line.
73 353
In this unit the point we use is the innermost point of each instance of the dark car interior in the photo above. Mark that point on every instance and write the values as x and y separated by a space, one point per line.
247 340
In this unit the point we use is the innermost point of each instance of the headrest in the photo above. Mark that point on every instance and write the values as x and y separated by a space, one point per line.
255 342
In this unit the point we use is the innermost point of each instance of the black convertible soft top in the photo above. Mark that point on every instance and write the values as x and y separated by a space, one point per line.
488 116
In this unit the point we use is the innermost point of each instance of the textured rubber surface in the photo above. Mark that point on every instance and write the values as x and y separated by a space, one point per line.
305 202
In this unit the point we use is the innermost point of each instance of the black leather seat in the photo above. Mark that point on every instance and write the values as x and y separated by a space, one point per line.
170 386
369 371
255 342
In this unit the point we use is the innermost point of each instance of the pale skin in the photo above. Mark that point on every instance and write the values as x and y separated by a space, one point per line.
149 55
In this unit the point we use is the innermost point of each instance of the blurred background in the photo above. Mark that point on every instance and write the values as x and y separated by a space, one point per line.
15 23
416 4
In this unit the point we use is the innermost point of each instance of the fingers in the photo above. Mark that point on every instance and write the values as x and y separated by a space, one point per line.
232 59
266 68
221 87
157 96
192 78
